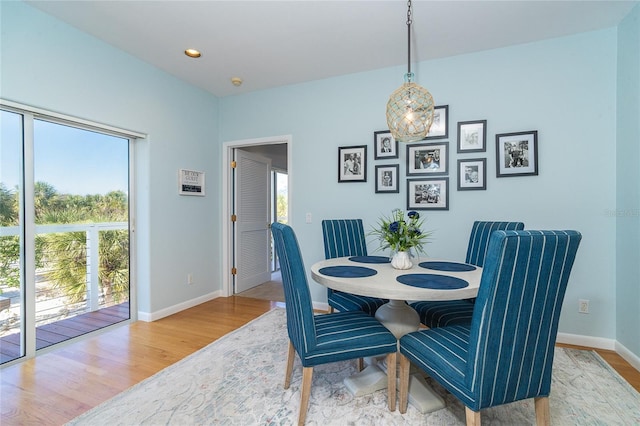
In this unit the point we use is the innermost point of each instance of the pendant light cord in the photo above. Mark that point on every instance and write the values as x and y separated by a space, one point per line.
409 39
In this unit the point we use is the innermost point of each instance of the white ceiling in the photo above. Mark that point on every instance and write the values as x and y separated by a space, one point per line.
276 43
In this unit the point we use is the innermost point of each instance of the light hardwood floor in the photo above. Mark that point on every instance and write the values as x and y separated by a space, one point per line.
57 386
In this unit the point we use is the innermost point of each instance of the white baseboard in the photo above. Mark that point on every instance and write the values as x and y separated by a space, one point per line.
592 342
153 316
569 339
600 343
629 356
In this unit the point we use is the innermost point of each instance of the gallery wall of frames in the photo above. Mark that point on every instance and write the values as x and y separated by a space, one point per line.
427 161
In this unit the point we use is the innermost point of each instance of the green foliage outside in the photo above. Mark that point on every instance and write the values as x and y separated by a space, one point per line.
281 208
64 255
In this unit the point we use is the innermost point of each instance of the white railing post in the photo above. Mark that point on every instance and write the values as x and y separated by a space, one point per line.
93 263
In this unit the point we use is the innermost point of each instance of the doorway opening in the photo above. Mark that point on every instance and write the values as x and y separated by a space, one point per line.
277 150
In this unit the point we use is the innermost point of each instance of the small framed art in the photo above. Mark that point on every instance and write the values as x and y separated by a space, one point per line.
428 194
517 154
472 136
190 182
440 127
428 159
385 145
352 163
472 174
387 178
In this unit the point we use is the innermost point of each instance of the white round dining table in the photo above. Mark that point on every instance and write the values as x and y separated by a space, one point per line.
459 281
427 279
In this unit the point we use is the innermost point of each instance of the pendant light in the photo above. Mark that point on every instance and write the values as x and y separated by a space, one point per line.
410 107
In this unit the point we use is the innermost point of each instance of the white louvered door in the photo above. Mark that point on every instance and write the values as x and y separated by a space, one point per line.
252 207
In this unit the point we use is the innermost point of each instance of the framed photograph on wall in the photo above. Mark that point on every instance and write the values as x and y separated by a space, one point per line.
517 154
387 178
428 194
440 127
472 136
472 174
190 182
428 159
352 163
385 145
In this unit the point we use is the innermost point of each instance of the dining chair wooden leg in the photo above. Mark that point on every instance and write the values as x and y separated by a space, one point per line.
473 417
405 365
307 375
391 381
290 358
543 417
360 364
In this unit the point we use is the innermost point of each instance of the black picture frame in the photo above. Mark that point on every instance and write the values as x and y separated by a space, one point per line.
517 154
428 194
472 136
472 174
428 159
352 163
385 145
387 177
440 126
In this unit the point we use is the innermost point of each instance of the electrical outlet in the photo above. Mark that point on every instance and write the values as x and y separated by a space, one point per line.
189 279
583 306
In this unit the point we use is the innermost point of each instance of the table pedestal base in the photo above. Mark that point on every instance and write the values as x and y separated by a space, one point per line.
422 397
398 317
369 380
374 378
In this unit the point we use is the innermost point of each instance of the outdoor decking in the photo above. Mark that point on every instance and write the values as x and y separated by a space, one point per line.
59 331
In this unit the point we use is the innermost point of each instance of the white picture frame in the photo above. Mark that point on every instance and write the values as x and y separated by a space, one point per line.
191 182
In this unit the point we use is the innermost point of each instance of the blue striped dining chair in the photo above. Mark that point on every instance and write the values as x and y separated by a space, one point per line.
506 353
450 312
326 338
345 237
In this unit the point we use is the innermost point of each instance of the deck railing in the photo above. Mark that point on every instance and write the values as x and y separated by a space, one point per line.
51 305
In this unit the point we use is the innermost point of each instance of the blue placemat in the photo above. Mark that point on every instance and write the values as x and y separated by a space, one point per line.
437 282
448 266
370 259
348 271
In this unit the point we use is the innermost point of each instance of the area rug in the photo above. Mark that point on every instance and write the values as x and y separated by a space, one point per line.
238 380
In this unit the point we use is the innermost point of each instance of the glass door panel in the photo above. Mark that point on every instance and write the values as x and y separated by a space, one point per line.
11 238
82 231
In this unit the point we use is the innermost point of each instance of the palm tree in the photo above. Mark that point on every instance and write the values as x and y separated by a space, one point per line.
9 246
8 206
66 253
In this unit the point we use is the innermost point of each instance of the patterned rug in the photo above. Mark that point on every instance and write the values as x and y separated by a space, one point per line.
238 380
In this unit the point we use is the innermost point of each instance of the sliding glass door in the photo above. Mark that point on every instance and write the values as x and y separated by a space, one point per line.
65 233
11 237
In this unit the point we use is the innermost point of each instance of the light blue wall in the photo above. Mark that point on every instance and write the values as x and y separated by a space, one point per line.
564 88
628 176
48 64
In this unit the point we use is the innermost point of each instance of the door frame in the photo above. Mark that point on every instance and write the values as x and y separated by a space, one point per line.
227 199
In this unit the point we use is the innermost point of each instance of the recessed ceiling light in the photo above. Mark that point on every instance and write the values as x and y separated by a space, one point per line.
192 53
236 81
